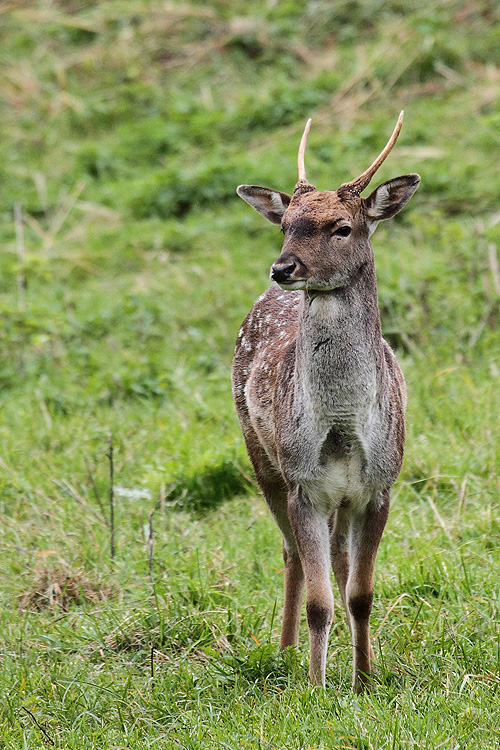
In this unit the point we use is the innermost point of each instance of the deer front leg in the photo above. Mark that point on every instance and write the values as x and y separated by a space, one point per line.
364 538
311 533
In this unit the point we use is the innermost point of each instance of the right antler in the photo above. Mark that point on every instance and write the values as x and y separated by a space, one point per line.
355 187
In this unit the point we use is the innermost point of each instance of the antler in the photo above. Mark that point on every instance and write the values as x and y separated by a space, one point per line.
303 185
355 187
302 150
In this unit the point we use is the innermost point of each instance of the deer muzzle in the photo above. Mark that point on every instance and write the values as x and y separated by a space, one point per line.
283 272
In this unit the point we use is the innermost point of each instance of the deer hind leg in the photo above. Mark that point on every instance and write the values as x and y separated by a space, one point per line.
274 490
294 579
311 533
364 538
339 549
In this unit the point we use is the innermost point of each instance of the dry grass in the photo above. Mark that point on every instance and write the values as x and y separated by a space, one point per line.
59 588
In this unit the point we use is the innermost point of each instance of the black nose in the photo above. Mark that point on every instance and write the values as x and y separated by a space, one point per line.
282 271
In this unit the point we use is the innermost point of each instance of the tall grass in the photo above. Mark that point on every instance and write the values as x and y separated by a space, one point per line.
127 265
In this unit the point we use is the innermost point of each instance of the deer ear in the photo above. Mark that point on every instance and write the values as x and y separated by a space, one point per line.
270 203
389 198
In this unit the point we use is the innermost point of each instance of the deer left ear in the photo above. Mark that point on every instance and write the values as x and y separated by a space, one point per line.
389 198
272 204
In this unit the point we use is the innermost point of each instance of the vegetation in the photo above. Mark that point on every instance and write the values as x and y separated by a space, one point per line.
127 264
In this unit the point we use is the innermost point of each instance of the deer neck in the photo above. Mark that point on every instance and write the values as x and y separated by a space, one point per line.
339 350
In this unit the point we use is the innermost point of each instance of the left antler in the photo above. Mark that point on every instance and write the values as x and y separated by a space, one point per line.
303 185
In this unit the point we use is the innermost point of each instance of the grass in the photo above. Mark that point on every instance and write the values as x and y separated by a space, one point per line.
126 266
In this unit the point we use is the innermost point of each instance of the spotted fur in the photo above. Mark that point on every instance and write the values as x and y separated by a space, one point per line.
321 402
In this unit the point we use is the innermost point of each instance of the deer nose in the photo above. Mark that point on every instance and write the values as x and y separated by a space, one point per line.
281 272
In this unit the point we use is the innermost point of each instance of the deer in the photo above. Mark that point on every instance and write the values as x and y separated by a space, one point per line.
321 400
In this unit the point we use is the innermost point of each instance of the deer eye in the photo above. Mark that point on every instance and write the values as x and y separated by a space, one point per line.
344 231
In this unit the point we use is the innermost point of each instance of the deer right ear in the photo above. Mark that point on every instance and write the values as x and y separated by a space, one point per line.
389 198
272 204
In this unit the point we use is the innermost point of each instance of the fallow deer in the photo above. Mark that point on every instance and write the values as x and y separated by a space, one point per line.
321 399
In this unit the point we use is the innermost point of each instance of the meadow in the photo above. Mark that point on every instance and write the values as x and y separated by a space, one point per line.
127 263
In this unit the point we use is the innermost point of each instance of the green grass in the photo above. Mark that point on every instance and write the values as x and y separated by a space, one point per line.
126 128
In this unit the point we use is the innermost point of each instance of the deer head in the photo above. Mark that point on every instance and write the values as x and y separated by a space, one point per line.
327 232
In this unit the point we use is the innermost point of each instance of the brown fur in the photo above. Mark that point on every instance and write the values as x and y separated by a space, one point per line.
321 399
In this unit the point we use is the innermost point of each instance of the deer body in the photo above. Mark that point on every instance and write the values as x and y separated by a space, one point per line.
321 402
